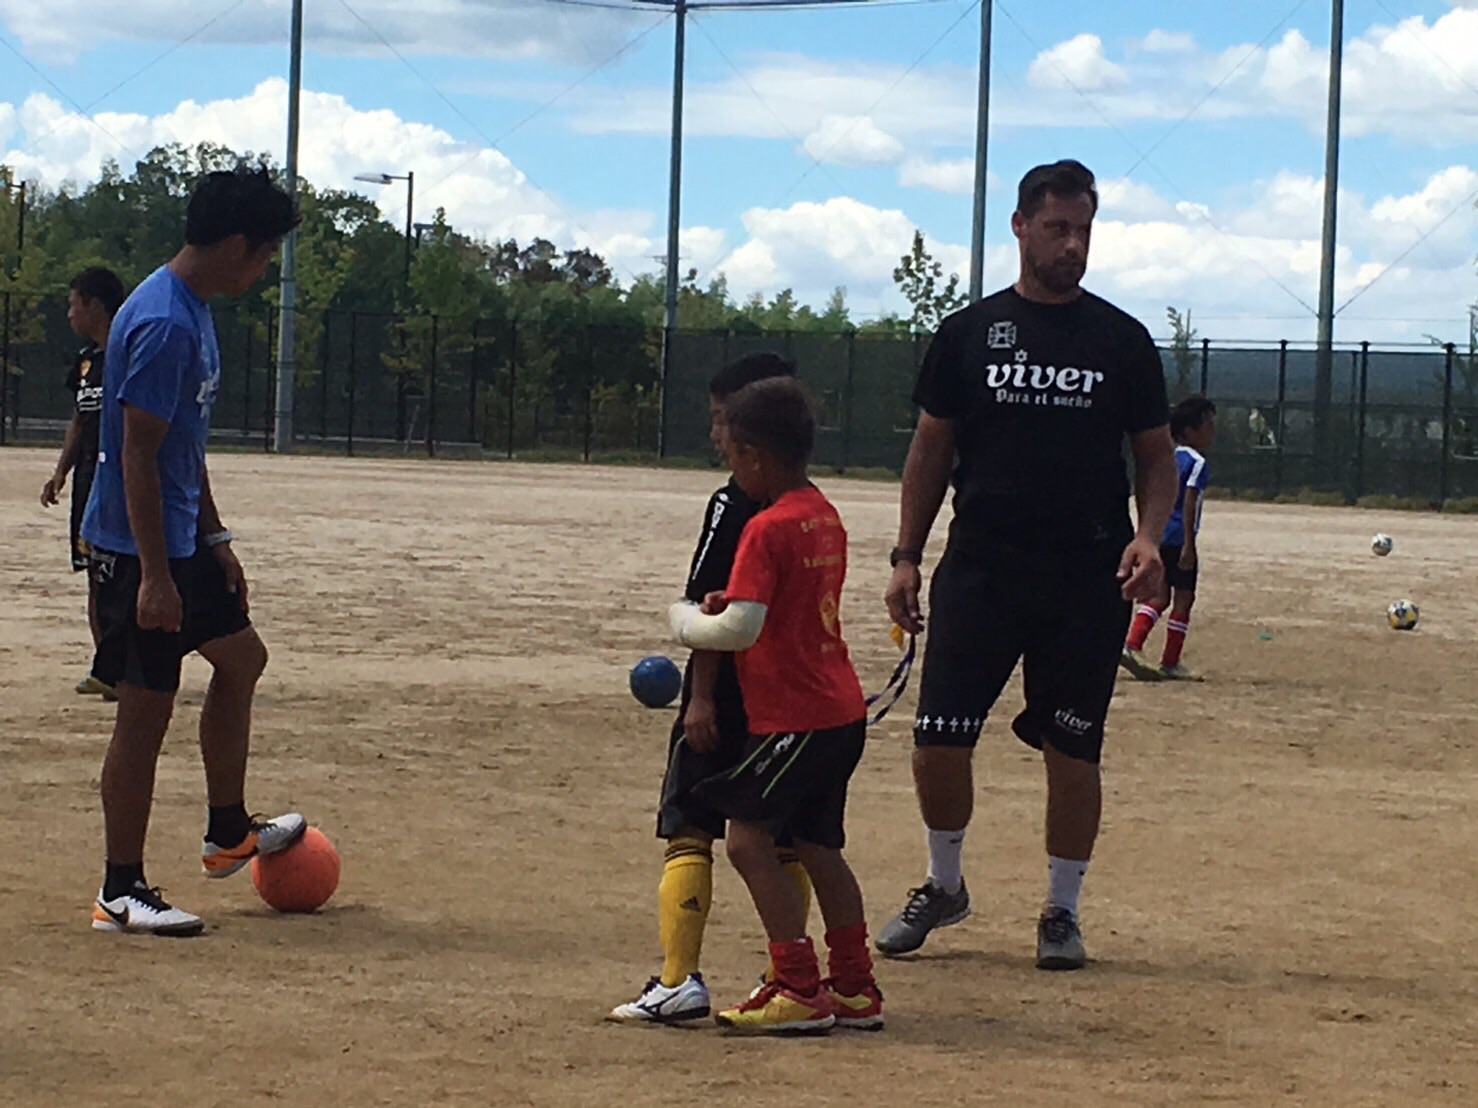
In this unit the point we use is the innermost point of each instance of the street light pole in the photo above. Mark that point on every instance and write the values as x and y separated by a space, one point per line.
287 333
982 138
20 250
410 226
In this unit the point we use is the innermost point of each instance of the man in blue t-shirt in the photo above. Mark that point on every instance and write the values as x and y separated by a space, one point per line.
168 583
1193 423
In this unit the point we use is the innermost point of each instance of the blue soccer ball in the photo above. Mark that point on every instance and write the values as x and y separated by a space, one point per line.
656 682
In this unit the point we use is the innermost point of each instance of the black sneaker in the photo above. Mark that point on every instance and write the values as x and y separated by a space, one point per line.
1059 941
928 907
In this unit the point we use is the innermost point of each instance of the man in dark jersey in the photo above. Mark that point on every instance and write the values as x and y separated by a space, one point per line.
708 738
95 297
1027 398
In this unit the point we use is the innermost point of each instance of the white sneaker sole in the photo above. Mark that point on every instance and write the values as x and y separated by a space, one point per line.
171 931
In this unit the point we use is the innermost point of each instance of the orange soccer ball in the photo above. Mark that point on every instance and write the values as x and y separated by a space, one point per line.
300 878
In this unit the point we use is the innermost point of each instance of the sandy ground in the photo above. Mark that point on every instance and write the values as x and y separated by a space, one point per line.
1278 912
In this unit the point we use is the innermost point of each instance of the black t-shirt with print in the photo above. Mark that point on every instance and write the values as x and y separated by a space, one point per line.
86 382
1042 397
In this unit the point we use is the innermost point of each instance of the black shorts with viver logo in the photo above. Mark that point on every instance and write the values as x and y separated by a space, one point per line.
1062 615
129 655
793 783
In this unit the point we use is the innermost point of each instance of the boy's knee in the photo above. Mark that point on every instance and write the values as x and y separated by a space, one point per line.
747 849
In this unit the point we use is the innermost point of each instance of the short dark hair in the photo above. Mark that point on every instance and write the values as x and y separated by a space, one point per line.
776 417
242 201
1189 414
102 285
1062 178
747 370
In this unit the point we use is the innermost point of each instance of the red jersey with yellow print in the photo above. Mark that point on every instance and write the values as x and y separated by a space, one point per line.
793 559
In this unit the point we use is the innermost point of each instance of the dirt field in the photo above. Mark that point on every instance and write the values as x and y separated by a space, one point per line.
1279 911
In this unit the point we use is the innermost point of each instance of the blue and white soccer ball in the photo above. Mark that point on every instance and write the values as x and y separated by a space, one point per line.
1382 544
1403 615
656 681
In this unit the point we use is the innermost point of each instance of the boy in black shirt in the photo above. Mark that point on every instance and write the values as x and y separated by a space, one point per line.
95 297
708 739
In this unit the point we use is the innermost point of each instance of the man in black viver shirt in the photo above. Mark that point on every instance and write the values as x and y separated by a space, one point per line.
1026 398
95 297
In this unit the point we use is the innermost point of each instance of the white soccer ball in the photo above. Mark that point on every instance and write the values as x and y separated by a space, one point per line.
1382 544
1403 615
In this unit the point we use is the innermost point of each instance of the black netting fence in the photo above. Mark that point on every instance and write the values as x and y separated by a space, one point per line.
1400 422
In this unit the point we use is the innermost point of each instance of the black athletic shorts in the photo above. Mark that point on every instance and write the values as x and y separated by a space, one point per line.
151 659
792 783
1062 615
1177 578
678 808
81 490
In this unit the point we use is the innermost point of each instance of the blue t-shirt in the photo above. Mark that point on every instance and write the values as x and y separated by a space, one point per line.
163 359
1194 474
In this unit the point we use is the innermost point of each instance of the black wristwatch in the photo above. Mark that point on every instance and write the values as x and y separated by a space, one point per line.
902 554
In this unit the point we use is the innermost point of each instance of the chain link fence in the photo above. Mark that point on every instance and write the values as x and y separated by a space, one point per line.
1402 422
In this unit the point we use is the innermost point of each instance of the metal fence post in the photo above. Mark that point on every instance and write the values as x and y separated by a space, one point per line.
1282 421
5 371
512 382
323 346
431 393
472 384
1360 420
589 427
353 375
249 328
1205 366
848 395
268 415
1444 473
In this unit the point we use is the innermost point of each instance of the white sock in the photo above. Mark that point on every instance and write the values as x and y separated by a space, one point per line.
945 848
1065 883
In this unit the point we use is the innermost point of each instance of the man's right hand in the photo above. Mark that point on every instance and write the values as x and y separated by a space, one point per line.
700 726
903 597
51 491
159 606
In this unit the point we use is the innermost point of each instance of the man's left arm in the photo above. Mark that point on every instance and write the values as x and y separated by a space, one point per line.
215 535
1156 478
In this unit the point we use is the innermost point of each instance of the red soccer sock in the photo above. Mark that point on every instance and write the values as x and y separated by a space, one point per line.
849 962
1176 630
795 966
1144 622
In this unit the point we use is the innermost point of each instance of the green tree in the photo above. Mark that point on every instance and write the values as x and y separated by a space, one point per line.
1183 338
918 277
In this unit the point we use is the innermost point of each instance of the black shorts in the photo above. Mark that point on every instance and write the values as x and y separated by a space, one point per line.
1064 616
1175 577
151 659
792 783
81 490
678 808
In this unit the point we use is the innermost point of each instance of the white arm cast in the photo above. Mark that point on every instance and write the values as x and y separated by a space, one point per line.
737 628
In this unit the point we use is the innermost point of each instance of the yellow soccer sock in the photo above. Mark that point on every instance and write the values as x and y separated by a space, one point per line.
683 900
797 873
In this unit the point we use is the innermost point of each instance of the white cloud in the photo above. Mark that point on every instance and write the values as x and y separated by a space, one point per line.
955 176
852 141
60 30
1220 256
1226 265
1079 62
1414 80
1167 42
481 189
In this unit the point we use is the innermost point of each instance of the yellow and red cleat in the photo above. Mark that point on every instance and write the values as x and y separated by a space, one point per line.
774 1009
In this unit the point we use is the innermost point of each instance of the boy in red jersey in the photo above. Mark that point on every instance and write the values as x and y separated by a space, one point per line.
806 714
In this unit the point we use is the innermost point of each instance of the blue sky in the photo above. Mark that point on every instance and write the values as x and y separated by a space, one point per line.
818 139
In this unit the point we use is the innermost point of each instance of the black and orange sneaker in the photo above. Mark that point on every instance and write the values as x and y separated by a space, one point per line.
267 836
